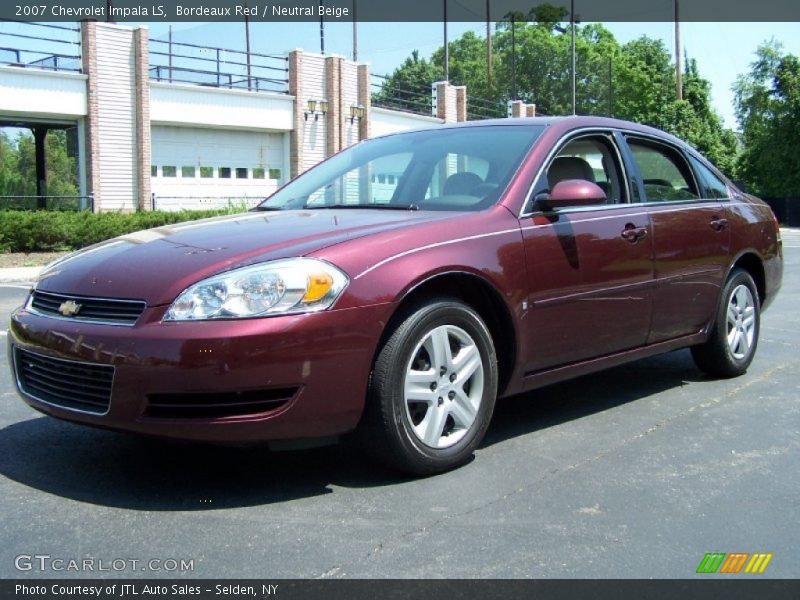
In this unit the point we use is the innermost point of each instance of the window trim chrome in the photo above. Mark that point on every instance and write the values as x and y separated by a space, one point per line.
570 137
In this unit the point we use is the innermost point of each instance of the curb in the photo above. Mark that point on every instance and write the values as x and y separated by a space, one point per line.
20 274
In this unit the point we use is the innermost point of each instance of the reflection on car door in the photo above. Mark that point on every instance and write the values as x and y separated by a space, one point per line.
590 269
691 239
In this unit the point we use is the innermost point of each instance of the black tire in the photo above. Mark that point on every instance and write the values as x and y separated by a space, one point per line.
720 356
394 427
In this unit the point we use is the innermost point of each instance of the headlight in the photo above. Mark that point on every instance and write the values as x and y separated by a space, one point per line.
289 286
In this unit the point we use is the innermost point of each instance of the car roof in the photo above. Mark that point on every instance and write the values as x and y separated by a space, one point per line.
563 123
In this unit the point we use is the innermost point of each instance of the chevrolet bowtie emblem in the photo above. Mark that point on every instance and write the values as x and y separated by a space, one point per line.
69 308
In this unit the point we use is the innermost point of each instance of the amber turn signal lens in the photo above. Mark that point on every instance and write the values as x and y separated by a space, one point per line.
319 284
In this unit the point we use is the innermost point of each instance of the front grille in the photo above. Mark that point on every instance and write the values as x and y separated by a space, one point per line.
97 310
65 383
210 406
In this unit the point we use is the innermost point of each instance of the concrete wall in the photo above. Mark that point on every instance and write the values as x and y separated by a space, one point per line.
386 121
129 124
42 94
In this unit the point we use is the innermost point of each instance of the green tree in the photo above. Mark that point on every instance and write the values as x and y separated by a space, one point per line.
18 166
634 81
409 87
767 104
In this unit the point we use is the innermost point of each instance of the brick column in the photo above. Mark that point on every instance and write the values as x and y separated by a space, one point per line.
365 100
461 103
296 135
445 101
517 109
333 86
89 65
530 110
142 104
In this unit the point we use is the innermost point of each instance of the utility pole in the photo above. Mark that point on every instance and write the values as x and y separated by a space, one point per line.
247 49
572 20
513 58
446 46
355 32
678 68
488 46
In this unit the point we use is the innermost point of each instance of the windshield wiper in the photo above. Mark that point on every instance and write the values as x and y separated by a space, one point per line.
375 206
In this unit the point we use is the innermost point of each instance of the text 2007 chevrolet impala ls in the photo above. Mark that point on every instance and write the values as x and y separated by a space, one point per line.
400 287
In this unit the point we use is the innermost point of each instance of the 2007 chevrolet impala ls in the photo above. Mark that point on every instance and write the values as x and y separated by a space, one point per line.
400 287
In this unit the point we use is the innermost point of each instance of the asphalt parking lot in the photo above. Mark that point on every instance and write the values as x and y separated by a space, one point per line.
634 472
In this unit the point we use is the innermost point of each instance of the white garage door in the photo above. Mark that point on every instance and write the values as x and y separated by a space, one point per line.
210 168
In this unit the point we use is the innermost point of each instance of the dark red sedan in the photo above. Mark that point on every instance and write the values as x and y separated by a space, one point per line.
400 287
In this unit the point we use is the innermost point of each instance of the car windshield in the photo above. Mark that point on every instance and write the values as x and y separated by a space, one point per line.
459 169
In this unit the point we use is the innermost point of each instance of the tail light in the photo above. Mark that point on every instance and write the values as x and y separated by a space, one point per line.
777 224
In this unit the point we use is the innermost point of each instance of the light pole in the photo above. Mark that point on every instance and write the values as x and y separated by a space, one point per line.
321 29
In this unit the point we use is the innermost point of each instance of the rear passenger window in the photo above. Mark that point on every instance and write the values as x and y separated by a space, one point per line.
665 174
715 187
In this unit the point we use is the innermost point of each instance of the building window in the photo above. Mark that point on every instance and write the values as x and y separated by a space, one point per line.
187 172
153 171
225 172
274 173
241 173
206 172
169 171
258 173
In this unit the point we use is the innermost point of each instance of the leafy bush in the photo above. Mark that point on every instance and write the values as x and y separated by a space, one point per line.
41 231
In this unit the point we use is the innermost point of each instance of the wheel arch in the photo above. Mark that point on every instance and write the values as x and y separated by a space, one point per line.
750 261
477 293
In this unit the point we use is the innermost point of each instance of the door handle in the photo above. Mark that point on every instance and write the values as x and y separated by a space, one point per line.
718 224
633 234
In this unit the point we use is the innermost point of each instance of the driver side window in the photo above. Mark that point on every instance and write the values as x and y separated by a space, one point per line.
590 158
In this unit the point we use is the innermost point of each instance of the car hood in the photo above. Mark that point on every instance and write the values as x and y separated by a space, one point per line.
155 265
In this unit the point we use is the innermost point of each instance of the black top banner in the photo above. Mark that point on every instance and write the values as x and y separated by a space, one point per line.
400 10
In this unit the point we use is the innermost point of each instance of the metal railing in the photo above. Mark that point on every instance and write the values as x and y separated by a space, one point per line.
175 203
50 46
482 108
387 95
51 203
179 62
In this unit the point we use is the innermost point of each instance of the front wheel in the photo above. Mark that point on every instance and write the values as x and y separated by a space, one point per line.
734 336
433 389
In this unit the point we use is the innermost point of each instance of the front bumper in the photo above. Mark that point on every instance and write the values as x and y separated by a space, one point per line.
324 358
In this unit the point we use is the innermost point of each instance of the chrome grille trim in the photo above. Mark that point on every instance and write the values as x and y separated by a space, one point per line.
102 311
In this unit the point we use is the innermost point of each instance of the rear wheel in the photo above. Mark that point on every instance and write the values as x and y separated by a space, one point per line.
433 389
734 337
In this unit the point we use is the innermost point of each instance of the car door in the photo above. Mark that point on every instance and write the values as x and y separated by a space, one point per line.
590 268
691 238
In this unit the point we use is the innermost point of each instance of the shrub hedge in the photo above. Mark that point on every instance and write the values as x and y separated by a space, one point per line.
42 231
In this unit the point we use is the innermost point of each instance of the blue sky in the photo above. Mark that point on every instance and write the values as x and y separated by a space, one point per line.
723 50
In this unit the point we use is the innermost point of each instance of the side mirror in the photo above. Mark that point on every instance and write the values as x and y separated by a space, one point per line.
571 192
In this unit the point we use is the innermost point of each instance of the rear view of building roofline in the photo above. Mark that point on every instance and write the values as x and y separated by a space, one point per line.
163 125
